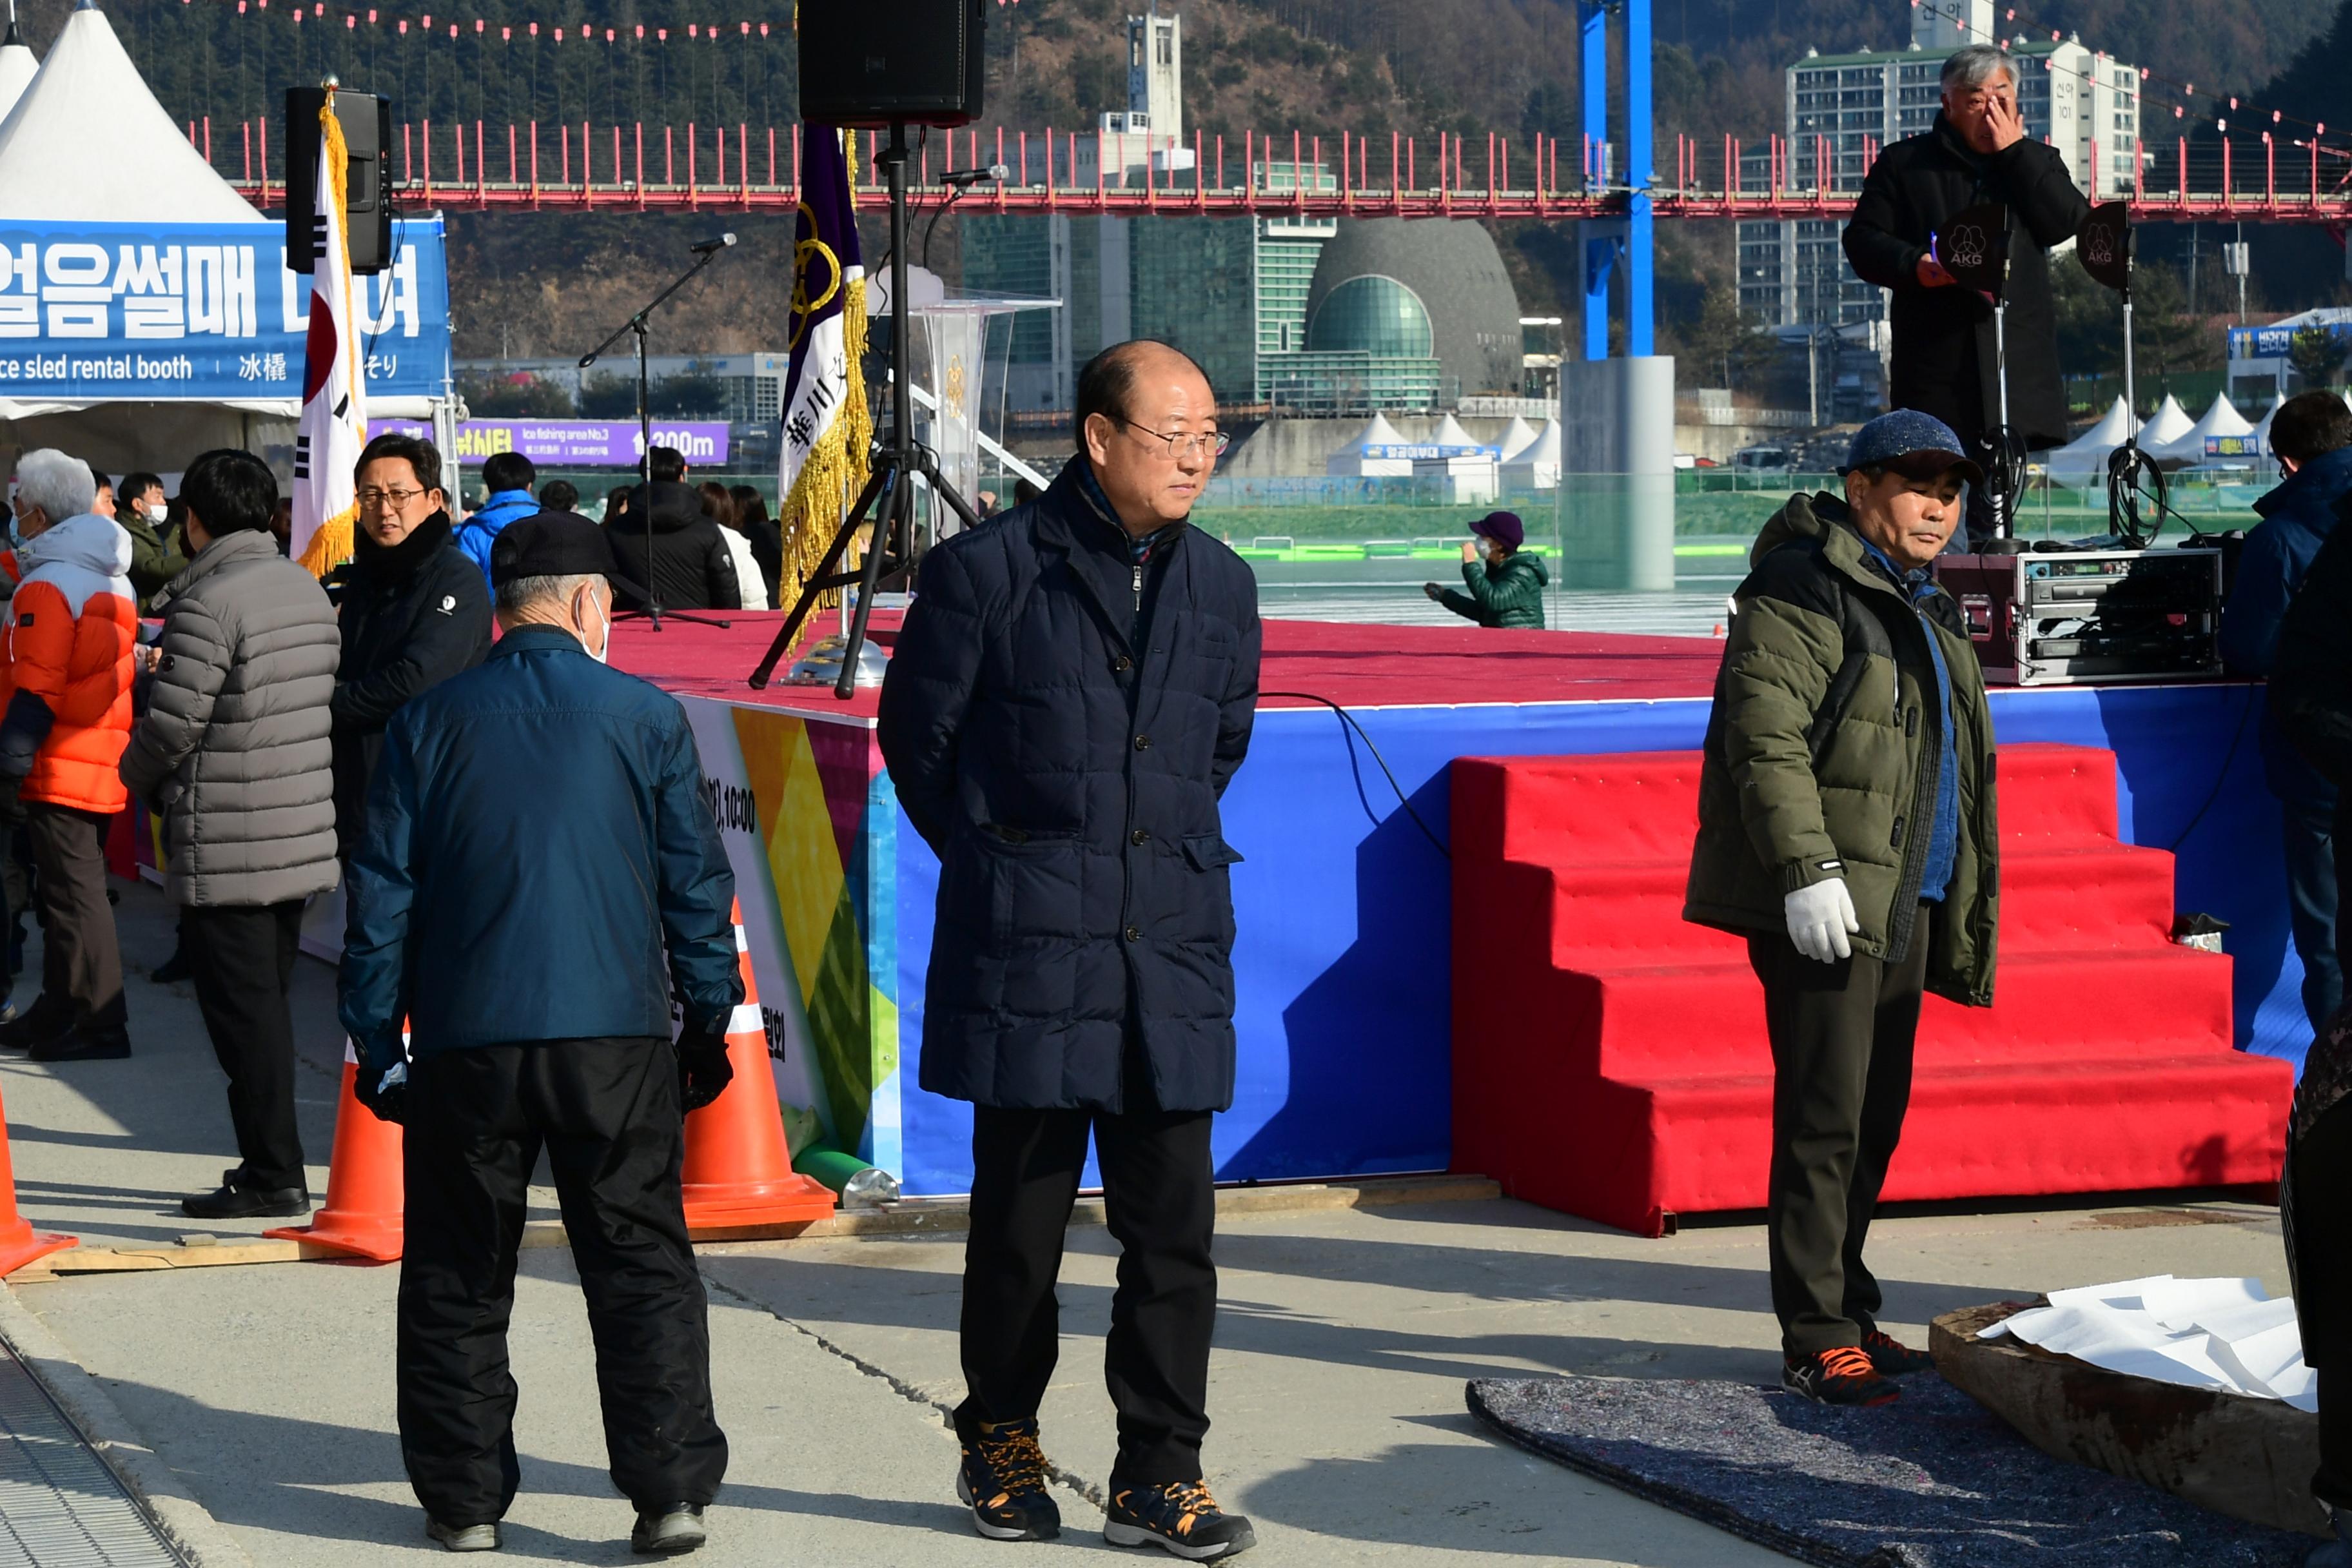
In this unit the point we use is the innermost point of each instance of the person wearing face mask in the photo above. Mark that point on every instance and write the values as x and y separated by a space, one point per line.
65 670
415 610
537 843
1847 830
1506 585
1944 361
233 752
157 558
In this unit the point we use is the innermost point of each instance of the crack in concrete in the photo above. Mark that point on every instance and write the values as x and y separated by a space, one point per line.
1061 1476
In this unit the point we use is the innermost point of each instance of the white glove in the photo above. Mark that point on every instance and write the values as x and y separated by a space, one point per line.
1821 918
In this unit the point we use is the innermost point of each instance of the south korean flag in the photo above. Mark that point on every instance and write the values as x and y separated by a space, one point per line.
334 388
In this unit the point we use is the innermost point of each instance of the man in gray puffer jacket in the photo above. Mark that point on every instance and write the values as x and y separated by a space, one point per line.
234 749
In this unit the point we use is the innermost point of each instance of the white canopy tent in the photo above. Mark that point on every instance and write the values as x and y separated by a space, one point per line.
2262 425
1516 437
64 161
1353 461
1537 465
1451 434
17 67
2085 457
2222 419
2167 424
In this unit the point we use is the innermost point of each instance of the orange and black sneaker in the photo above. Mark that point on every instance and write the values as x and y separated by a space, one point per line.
1002 1481
1181 1516
1892 1357
1840 1376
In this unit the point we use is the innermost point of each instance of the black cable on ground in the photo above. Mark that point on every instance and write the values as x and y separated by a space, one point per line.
1348 720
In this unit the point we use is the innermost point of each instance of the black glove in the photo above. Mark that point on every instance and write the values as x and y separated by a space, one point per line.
386 1104
703 1070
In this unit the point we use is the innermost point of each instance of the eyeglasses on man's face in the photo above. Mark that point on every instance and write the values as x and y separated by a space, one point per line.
398 500
1180 443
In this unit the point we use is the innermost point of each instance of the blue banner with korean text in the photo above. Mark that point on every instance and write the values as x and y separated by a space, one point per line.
201 313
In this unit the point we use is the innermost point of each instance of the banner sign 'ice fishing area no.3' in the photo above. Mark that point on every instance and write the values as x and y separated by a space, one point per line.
98 311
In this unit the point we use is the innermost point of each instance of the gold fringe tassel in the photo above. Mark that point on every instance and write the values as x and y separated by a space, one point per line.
837 469
332 545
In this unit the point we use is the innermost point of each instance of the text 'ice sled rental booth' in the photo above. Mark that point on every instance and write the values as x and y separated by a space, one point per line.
146 313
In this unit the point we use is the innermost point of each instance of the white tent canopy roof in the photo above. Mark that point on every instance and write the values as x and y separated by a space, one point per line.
89 144
2222 419
2167 424
17 69
2262 425
1516 437
1544 449
1451 434
1379 433
2087 453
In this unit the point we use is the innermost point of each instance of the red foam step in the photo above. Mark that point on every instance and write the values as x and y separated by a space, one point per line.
1679 1017
1628 1154
1644 1085
2086 895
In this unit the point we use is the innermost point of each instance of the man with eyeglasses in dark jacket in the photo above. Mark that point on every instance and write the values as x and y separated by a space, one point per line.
1071 691
415 610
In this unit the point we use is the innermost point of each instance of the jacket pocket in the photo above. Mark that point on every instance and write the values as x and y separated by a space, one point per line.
1210 852
1035 883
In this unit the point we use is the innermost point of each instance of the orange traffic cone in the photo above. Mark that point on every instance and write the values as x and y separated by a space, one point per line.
365 1192
19 1242
738 1166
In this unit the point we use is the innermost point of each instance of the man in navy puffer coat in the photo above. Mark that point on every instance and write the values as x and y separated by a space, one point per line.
2312 436
1071 693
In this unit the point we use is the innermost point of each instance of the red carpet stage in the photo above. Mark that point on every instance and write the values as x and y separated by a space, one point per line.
1362 944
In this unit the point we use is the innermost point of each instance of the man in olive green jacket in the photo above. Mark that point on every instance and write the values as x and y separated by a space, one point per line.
139 508
1847 830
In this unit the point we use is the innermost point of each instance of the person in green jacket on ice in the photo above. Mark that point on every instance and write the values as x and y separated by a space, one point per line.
1506 588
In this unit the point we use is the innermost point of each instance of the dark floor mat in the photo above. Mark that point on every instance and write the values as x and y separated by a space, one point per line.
1933 1481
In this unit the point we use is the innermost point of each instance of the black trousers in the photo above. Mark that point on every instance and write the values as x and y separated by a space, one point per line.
607 1112
81 964
1156 1173
242 961
2319 1183
1841 1040
2307 836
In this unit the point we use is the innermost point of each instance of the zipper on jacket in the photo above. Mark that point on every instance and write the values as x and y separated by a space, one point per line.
1138 592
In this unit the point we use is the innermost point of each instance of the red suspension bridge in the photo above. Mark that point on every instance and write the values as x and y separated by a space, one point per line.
478 167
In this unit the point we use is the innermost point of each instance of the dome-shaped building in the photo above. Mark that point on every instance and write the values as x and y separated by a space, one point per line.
1407 315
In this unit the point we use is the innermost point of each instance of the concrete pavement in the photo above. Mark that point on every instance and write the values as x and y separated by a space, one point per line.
265 1393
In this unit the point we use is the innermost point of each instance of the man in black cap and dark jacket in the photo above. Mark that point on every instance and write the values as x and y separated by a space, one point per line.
1944 361
1073 690
693 569
540 875
415 611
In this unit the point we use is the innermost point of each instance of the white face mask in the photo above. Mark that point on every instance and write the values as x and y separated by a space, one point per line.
158 510
604 644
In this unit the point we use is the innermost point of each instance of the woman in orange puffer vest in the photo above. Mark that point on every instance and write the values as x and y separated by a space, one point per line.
66 665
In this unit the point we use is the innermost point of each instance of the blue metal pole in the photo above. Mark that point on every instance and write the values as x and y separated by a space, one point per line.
1594 24
1640 174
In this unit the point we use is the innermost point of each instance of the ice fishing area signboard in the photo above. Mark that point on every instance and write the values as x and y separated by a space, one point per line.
200 312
